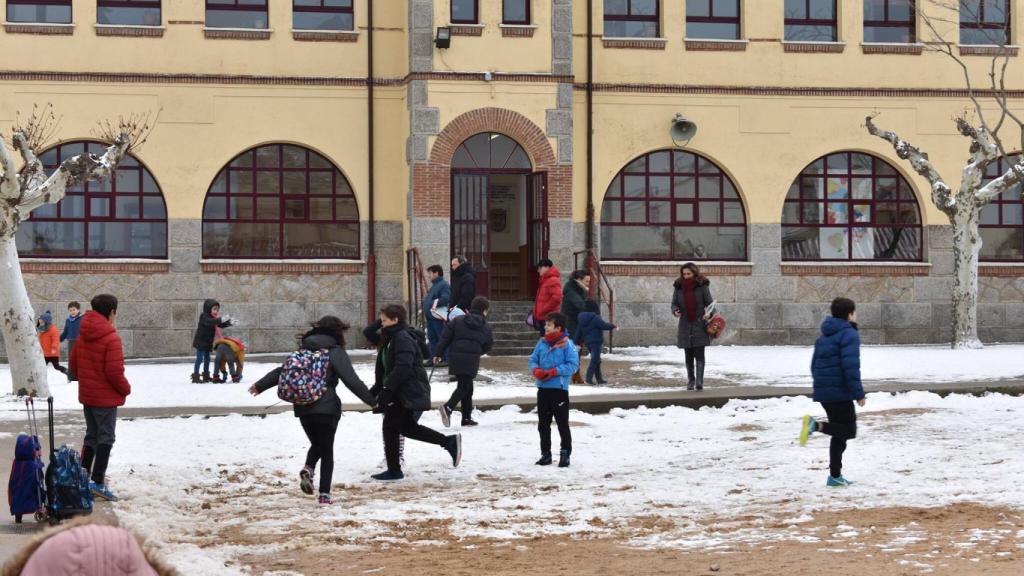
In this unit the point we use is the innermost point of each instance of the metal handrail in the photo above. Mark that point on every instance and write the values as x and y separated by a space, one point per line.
417 285
601 287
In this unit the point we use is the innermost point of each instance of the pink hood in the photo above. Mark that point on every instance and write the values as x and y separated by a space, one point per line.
89 550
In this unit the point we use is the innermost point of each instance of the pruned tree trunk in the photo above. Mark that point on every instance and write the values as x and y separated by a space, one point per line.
966 249
17 323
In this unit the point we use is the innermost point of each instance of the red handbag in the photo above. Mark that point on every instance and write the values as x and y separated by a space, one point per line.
716 326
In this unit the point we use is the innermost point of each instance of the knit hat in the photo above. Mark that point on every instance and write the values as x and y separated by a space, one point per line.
89 550
47 319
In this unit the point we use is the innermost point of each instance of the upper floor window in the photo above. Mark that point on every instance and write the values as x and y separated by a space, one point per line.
1002 219
237 14
713 19
811 21
322 15
631 19
39 11
516 12
128 12
672 205
851 206
985 22
280 201
122 217
465 12
890 21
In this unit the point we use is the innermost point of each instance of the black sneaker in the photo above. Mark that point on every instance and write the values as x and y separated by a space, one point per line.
389 475
470 422
441 364
545 459
428 364
454 447
306 480
446 415
563 459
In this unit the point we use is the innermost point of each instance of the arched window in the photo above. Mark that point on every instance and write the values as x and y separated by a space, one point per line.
672 205
280 201
1002 219
121 217
851 206
490 150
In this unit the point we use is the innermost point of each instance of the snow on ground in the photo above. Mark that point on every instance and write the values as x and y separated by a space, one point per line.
708 479
790 365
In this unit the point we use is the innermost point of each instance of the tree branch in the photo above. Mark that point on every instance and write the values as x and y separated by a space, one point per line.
9 188
942 195
74 171
32 173
994 188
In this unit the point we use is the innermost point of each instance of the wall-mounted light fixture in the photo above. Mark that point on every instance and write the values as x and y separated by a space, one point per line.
444 37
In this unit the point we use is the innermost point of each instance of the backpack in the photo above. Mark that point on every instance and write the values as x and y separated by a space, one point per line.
303 378
67 484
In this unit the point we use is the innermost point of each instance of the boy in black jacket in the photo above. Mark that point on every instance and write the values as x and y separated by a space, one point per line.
465 339
206 332
404 393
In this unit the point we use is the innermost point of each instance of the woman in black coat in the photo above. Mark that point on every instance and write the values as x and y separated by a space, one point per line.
692 295
466 339
463 283
320 419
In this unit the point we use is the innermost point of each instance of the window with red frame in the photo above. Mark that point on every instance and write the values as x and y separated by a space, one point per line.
465 12
631 19
322 15
811 21
851 206
985 22
713 19
39 11
122 217
128 12
672 205
890 21
1002 219
237 14
280 201
515 12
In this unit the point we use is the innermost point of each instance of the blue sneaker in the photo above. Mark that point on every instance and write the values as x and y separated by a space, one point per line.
807 427
101 491
837 482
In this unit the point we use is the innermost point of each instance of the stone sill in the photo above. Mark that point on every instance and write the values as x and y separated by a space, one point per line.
914 49
467 29
1001 269
325 35
42 28
93 266
702 45
634 43
671 269
814 47
899 269
983 50
129 31
237 33
517 30
283 266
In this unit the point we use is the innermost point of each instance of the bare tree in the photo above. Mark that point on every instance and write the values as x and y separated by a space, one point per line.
964 205
21 192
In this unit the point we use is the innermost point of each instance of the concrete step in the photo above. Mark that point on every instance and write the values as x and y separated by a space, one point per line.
510 350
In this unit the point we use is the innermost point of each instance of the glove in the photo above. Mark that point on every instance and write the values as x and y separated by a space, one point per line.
538 373
549 374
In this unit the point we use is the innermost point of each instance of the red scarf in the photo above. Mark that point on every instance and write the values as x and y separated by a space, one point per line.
553 338
689 286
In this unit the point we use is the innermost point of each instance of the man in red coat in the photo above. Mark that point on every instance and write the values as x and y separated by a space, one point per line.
549 294
98 361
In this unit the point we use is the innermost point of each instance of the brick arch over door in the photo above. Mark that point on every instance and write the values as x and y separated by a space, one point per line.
432 186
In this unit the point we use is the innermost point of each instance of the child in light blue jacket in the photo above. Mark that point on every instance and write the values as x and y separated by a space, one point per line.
554 361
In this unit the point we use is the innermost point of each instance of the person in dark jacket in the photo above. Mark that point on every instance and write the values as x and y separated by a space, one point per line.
319 420
690 298
463 283
404 393
465 339
835 368
98 360
206 333
70 332
574 296
436 302
591 333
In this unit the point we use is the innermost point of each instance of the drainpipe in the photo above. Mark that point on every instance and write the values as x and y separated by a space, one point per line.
371 258
590 125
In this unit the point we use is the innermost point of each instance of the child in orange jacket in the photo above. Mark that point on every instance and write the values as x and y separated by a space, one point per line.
49 340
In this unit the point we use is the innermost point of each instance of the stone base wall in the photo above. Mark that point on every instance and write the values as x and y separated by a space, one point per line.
771 303
159 311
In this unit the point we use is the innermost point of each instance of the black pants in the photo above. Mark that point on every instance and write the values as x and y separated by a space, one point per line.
320 429
693 354
594 369
841 426
400 421
100 425
464 394
553 402
55 361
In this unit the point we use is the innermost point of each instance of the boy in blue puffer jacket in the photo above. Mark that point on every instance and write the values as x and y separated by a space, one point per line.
554 361
835 368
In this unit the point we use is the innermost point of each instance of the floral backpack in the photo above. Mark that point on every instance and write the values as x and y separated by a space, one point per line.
303 377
